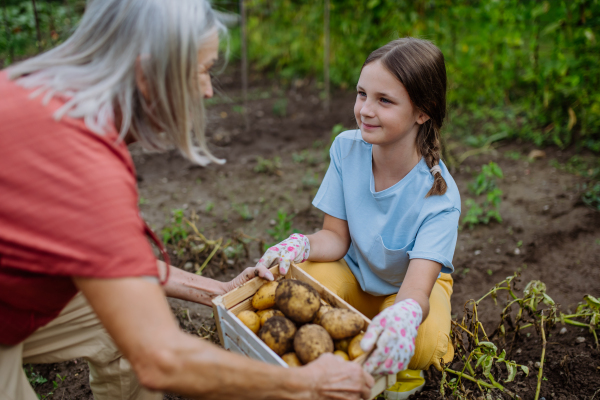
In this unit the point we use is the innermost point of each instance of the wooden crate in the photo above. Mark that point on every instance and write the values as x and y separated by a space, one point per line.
236 337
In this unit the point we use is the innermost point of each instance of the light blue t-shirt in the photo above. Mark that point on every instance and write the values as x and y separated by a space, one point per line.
390 227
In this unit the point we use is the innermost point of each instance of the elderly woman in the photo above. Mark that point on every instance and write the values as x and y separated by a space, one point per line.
78 277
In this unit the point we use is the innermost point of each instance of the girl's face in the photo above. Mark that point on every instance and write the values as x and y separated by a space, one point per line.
383 109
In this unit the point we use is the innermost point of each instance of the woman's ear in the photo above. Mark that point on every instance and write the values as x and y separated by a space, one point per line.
140 79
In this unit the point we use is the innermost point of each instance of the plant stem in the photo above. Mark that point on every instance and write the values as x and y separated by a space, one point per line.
541 370
575 323
470 378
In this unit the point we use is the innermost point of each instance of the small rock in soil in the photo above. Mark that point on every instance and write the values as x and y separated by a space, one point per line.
537 364
580 339
563 331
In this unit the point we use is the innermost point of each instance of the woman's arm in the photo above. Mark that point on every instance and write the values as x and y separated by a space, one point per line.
418 282
137 316
191 287
332 242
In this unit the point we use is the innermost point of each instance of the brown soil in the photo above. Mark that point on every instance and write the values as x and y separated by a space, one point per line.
546 233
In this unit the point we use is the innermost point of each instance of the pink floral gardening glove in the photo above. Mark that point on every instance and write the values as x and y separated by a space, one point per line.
295 248
394 330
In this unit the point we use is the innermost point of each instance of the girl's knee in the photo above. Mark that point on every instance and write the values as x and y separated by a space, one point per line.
432 350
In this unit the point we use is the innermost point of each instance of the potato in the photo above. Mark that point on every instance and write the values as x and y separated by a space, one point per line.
299 301
292 360
341 354
341 324
268 314
251 320
311 341
354 349
260 313
265 296
322 310
278 333
342 344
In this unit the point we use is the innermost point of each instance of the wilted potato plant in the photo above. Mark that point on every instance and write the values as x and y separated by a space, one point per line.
481 358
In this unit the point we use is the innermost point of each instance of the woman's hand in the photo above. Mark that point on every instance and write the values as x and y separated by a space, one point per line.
332 378
248 274
394 331
296 248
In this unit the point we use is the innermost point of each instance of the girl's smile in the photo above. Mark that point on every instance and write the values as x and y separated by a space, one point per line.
369 127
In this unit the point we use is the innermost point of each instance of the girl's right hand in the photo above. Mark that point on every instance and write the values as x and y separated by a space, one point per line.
296 248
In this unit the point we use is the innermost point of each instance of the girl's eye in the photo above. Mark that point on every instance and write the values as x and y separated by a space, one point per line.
384 100
362 94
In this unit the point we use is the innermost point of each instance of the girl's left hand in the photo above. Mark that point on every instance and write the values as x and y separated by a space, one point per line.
394 331
248 274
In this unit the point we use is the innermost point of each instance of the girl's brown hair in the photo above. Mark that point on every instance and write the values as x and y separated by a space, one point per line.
419 65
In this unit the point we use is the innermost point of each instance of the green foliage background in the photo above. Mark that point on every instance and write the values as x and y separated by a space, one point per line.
519 68
516 68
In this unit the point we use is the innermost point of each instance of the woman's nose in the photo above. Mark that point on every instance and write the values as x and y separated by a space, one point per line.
208 90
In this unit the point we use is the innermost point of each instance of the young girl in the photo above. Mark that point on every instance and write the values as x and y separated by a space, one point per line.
391 215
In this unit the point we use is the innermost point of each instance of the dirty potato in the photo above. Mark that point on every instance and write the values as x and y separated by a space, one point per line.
278 333
354 349
341 354
311 341
250 319
265 296
291 359
264 316
341 324
299 301
322 310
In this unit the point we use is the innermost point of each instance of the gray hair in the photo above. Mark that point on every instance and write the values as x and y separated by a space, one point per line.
95 72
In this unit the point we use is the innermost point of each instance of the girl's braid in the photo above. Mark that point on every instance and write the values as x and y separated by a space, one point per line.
429 146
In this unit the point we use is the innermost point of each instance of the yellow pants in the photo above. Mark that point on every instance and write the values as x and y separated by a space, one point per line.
75 333
433 338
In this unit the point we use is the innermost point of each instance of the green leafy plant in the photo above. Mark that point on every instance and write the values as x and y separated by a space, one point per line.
268 166
33 377
176 230
484 185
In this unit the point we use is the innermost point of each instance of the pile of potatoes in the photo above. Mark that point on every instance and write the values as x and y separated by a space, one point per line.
293 321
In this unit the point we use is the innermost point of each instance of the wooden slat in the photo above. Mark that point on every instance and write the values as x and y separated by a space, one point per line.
230 345
218 309
245 305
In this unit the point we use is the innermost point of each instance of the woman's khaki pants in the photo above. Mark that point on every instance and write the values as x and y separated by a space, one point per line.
75 333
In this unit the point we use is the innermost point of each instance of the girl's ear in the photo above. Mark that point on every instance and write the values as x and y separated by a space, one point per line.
422 118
